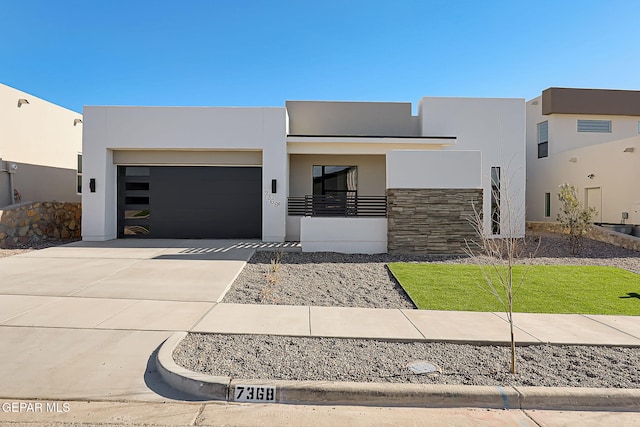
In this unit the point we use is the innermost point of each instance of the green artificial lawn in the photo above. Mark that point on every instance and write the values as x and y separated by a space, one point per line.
546 288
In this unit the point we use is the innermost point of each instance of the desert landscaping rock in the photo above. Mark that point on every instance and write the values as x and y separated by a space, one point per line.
332 279
334 359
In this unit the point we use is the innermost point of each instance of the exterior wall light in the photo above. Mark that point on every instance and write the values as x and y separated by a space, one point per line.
629 150
573 160
76 121
591 176
22 101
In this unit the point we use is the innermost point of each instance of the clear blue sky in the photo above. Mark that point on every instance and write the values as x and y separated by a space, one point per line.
261 53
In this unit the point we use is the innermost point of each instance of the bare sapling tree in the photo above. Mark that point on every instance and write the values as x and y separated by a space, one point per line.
500 246
576 220
273 278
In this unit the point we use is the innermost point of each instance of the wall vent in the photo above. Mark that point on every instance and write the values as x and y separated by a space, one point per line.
602 126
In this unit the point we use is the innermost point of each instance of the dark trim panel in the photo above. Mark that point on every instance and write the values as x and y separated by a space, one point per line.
372 136
557 100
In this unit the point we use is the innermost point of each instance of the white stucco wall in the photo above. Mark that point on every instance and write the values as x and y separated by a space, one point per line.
434 169
345 235
107 129
496 128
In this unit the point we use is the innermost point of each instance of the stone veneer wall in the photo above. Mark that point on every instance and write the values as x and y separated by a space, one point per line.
30 223
430 221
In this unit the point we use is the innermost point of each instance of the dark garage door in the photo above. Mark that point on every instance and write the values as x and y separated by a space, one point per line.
189 202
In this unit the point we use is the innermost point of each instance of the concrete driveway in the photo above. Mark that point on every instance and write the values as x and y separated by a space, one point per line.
82 321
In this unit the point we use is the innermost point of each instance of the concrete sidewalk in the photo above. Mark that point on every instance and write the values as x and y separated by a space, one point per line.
421 325
40 412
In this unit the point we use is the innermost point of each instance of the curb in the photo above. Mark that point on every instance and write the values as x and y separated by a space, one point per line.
391 394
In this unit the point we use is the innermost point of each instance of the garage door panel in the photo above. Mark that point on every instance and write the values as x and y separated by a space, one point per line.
205 202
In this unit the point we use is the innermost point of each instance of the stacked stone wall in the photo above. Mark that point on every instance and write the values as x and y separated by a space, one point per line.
430 221
31 223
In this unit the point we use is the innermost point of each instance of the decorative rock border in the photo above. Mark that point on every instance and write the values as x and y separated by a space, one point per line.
393 394
597 233
33 222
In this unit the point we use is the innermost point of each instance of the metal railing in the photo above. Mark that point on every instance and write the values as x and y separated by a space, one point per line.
337 205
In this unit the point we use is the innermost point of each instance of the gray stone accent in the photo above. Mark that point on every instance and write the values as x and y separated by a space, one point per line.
430 221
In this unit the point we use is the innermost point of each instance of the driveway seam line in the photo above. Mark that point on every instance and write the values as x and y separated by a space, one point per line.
197 322
95 282
115 314
31 309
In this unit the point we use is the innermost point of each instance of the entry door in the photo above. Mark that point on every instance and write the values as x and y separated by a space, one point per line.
593 199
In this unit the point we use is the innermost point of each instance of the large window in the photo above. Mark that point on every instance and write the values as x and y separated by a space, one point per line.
495 200
79 174
335 180
543 139
601 126
335 190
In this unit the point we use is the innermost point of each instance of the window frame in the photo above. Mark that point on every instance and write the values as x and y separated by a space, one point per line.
543 142
78 173
323 178
547 205
495 201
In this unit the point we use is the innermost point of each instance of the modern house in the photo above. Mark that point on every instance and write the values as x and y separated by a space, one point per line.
40 150
589 138
354 177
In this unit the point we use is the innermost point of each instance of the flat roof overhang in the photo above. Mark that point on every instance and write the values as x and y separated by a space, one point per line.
557 100
363 144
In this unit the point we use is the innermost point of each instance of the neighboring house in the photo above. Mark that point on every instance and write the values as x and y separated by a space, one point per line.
338 176
588 138
40 149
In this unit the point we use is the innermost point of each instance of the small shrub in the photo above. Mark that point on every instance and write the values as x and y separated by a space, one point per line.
576 220
273 278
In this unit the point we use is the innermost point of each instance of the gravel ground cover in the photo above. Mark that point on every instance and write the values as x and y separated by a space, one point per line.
329 279
332 359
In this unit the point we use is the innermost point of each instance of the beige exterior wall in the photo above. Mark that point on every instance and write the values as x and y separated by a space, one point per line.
371 172
351 118
174 157
573 156
563 133
42 139
615 173
39 133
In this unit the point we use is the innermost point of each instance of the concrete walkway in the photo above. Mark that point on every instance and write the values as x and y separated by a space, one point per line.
450 326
